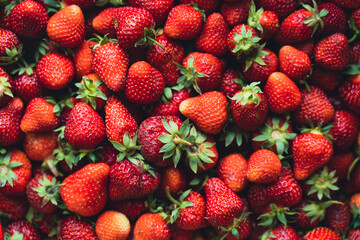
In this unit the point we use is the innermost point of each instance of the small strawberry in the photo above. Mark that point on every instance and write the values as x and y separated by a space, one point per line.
172 180
73 227
159 9
10 47
67 26
294 63
282 8
151 226
112 225
207 111
27 86
14 207
85 191
40 146
349 92
322 233
144 83
183 22
39 116
235 12
83 59
10 118
263 166
231 82
55 71
22 229
282 93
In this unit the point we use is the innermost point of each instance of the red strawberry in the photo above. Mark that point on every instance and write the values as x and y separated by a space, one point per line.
332 53
294 63
268 23
324 79
39 116
341 162
10 118
40 146
315 106
132 208
159 9
183 22
242 41
212 38
353 234
231 82
334 21
307 47
27 86
206 5
29 19
207 111
112 225
355 50
281 232
322 233
24 228
144 83
235 12
55 71
85 191
151 226
83 59
103 23
83 4
7 87
110 62
67 26
172 179
308 217
15 207
222 204
73 227
338 217
282 8
347 3
9 41
349 92
257 198
282 93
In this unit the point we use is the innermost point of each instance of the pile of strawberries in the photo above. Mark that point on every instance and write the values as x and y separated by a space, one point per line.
189 119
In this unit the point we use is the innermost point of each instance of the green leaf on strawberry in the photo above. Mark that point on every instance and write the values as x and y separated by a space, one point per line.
6 170
322 183
48 190
89 91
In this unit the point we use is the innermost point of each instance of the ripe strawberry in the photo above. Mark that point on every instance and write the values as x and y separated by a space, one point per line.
207 111
132 208
242 41
208 6
294 63
259 72
40 146
73 227
332 53
222 204
355 50
85 191
232 171
235 12
345 129
144 83
315 106
353 234
164 60
257 197
266 22
183 22
334 21
322 233
112 225
212 38
67 26
263 166
15 207
39 117
308 217
324 79
83 4
151 226
311 151
9 41
29 19
159 9
24 228
103 22
27 86
307 47
349 92
249 107
110 62
231 82
10 118
83 59
55 71
338 217
281 8
42 193
172 179
281 232
7 87
347 3
341 162
282 93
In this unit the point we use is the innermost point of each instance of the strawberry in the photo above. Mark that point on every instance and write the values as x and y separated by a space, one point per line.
282 93
42 193
281 8
242 41
85 128
207 111
338 216
232 171
324 79
353 234
29 19
322 233
281 232
11 42
332 53
349 92
294 63
110 62
347 3
263 166
306 47
172 179
257 197
83 59
212 38
55 71
311 151
15 207
235 12
16 172
315 106
355 50
183 22
118 120
208 6
345 129
132 180
10 118
164 60
230 83
308 217
39 116
249 107
22 229
40 146
222 204
103 22
73 227
159 9
132 208
266 22
67 26
112 225
341 162
83 4
27 86
334 21
151 226
7 87
85 191
144 83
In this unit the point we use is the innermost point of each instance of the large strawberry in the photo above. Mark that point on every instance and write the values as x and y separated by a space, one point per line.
85 191
294 63
10 118
67 26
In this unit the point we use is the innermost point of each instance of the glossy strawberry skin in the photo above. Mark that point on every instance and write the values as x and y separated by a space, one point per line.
72 227
323 232
159 9
8 40
294 63
334 21
284 233
10 118
40 146
103 22
15 206
83 59
270 23
151 226
26 228
228 86
173 179
349 92
28 87
235 12
281 8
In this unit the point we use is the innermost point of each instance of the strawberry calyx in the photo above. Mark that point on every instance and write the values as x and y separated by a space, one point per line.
189 75
225 231
245 43
231 132
322 183
12 55
53 6
168 93
275 135
24 67
48 190
319 129
116 3
316 210
177 205
256 57
5 87
67 101
101 40
89 91
254 16
315 20
149 38
275 216
15 236
353 69
248 95
129 149
7 174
